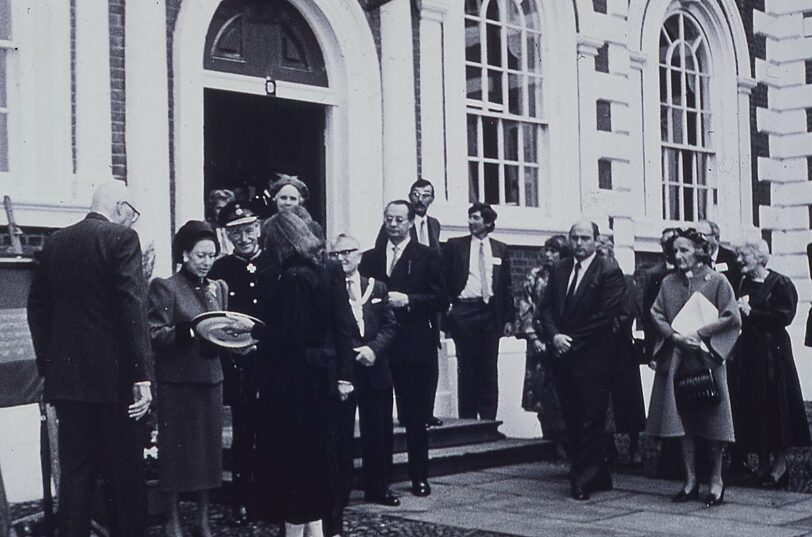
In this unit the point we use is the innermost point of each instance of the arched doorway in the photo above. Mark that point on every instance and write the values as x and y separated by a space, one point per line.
348 101
249 138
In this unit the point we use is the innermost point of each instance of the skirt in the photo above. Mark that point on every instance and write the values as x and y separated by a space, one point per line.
190 436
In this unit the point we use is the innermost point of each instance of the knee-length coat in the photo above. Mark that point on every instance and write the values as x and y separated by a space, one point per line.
665 418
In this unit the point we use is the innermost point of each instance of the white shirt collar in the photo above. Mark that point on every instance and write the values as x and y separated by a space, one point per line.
354 278
401 246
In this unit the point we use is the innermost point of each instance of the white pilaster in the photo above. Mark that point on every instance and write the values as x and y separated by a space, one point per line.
398 88
148 126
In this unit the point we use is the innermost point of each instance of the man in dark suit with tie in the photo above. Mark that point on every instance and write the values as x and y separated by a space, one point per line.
426 231
413 275
477 273
582 299
722 259
372 334
87 314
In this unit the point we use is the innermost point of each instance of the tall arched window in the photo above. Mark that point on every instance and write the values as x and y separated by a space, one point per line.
686 131
504 101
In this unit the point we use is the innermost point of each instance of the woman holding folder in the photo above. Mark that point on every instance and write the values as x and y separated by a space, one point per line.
698 322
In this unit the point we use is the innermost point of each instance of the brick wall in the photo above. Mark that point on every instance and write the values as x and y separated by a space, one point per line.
117 86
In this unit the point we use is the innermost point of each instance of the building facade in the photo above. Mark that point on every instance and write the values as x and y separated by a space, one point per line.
640 114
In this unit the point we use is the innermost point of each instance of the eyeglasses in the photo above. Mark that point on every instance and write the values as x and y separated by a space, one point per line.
136 213
422 195
343 253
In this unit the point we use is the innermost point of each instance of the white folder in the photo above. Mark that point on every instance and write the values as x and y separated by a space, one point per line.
695 314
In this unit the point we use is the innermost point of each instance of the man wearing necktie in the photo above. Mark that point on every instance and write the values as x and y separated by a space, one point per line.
477 272
576 313
372 335
413 275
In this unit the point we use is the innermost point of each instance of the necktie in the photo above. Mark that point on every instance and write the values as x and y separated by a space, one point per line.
394 260
573 284
350 291
423 237
483 273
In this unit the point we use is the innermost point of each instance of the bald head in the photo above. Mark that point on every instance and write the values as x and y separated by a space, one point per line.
583 237
112 199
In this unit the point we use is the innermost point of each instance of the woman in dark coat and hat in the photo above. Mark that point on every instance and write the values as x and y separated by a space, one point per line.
189 375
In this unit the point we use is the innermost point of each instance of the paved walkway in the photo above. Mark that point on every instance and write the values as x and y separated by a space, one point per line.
532 499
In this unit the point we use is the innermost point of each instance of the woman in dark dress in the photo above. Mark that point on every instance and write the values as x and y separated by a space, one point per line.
772 417
307 353
189 375
538 393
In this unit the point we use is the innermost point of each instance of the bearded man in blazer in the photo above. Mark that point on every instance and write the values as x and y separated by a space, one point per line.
413 274
477 272
582 300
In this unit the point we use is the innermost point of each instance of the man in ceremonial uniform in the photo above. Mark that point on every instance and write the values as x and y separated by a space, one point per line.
240 270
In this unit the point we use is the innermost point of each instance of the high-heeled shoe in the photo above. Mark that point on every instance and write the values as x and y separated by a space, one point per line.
713 501
682 496
769 482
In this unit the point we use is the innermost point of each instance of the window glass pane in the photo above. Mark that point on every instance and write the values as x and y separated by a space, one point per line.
676 126
676 58
511 133
531 187
676 87
688 203
530 14
4 142
701 169
492 12
664 123
491 183
5 19
515 94
472 134
690 61
664 44
3 53
493 38
692 126
514 16
474 82
472 7
495 86
533 53
534 108
473 41
473 181
687 167
663 84
512 185
671 28
673 203
514 49
702 204
670 165
489 137
690 29
530 143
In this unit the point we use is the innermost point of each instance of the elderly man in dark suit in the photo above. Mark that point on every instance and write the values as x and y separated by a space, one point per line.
582 300
87 314
413 275
372 333
477 273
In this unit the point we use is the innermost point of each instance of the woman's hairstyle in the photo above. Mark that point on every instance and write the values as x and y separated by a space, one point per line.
190 234
288 235
699 240
284 180
307 218
220 194
560 244
758 247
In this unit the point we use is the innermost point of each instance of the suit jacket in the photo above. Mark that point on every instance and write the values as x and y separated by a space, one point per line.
173 303
653 282
379 330
456 260
434 228
589 319
87 313
418 273
732 272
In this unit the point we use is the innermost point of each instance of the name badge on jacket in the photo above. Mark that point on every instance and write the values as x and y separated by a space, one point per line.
497 261
721 267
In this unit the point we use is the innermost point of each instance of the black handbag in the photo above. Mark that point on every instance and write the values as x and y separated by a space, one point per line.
695 385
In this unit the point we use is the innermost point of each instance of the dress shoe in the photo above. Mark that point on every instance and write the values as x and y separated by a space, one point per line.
682 496
388 499
713 501
579 493
769 482
434 421
421 488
